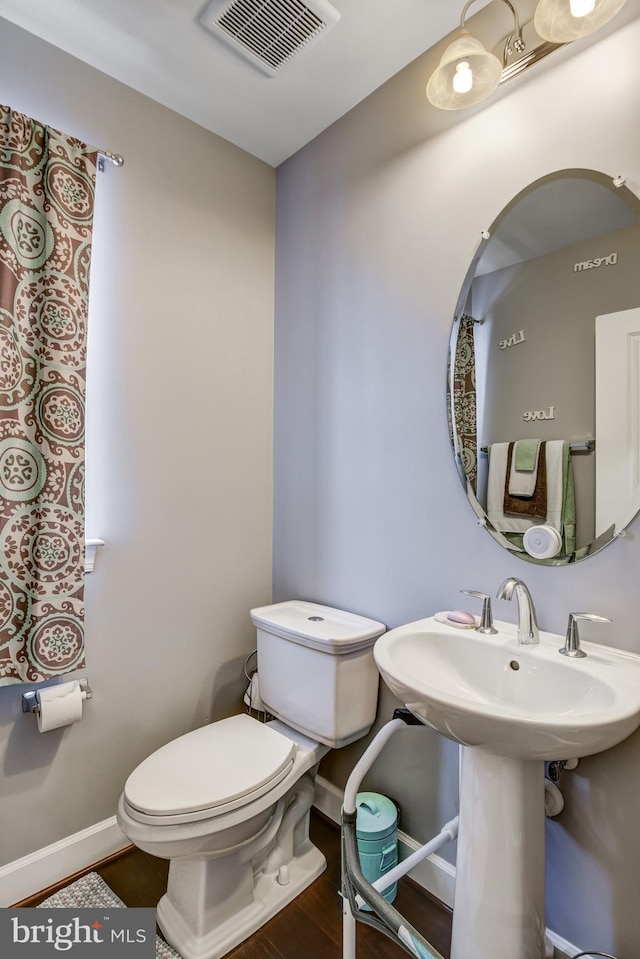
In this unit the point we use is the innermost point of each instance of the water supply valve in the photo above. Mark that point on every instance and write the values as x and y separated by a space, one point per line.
557 767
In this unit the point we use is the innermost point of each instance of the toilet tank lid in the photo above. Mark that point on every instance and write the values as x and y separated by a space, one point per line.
321 627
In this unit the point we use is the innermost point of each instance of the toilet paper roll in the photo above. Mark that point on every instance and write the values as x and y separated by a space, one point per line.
542 542
59 705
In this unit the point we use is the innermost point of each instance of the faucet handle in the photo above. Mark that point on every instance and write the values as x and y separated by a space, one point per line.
572 642
486 619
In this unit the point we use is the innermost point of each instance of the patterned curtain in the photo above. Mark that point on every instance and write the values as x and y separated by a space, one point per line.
47 183
463 403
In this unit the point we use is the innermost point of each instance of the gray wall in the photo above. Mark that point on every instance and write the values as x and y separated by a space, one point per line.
179 448
377 222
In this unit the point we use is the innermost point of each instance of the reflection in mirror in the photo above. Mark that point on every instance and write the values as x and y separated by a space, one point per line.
544 369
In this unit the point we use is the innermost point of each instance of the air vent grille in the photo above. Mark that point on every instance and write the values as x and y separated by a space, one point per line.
269 32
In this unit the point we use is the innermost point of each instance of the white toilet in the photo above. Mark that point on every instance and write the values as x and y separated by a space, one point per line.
229 803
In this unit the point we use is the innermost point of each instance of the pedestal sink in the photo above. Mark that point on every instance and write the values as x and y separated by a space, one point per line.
511 707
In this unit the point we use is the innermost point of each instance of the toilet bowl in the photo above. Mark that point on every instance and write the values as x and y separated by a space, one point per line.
237 860
228 804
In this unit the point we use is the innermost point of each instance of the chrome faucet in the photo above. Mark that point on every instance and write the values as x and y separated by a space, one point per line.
527 625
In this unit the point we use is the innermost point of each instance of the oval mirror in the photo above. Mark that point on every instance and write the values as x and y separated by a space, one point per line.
544 369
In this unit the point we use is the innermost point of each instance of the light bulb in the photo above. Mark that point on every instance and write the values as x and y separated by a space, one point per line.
581 8
463 77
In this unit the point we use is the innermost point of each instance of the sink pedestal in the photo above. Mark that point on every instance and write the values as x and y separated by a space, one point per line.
499 897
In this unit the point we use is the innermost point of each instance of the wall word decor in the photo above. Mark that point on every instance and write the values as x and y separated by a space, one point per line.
515 338
548 414
610 260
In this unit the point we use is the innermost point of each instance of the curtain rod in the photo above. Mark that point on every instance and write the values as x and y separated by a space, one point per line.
114 158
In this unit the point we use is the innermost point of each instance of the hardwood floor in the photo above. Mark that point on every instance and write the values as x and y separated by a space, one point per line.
312 922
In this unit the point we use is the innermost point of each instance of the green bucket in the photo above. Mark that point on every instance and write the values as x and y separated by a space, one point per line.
377 837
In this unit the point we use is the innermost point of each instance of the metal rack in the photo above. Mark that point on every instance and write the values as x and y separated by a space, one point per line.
579 446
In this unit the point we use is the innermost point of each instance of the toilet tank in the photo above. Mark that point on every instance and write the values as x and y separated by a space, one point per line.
316 668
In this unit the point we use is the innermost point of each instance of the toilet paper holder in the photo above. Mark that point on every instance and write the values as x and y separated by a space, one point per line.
30 702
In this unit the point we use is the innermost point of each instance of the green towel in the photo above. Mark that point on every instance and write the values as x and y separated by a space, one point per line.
526 455
569 502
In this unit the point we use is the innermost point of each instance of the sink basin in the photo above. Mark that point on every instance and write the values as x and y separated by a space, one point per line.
526 702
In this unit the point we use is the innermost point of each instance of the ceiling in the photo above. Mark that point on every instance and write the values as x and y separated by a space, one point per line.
159 48
554 215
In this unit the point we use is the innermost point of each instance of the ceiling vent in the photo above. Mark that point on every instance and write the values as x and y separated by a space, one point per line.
269 32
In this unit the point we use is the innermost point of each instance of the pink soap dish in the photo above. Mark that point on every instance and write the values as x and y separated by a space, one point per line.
443 617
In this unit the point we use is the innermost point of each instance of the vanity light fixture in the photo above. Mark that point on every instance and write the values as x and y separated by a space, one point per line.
468 73
562 21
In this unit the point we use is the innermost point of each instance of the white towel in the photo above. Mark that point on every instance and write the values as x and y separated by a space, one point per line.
555 487
523 482
496 483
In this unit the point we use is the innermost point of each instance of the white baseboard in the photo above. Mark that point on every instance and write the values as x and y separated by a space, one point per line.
328 799
563 949
40 869
434 874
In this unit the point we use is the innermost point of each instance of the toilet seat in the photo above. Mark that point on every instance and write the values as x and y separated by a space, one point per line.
209 771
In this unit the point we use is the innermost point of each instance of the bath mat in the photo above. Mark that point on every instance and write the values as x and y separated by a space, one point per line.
92 891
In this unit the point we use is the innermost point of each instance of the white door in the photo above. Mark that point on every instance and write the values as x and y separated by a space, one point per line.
617 418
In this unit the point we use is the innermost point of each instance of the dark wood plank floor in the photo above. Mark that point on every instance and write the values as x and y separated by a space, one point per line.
313 921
